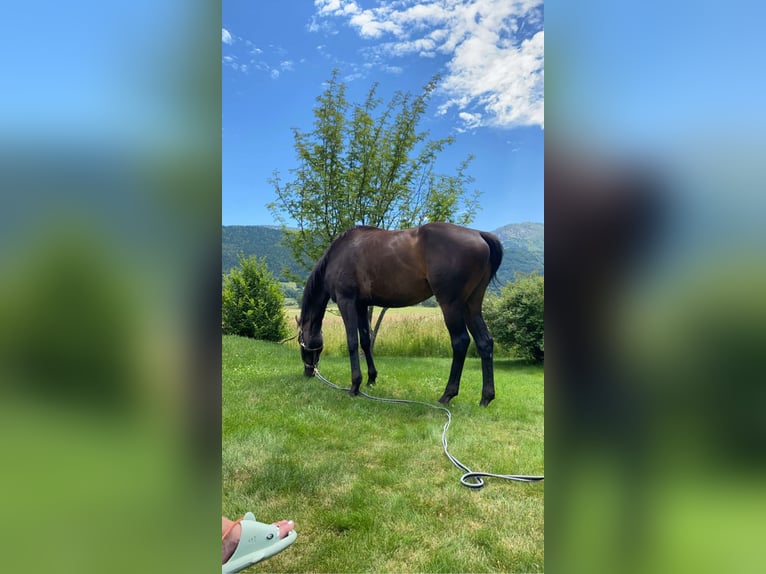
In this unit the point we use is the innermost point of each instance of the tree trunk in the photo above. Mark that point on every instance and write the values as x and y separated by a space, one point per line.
374 334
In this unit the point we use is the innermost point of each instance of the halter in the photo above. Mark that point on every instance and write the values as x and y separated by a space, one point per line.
304 347
309 350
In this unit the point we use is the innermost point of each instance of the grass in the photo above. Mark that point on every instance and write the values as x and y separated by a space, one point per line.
410 331
367 483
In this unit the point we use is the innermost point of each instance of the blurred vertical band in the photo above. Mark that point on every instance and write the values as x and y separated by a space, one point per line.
110 164
656 274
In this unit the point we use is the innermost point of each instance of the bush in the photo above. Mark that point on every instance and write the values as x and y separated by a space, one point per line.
252 302
516 316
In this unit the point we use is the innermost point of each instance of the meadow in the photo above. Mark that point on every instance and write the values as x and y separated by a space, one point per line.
367 483
407 332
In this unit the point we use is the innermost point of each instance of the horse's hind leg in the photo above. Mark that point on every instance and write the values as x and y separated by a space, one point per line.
363 320
453 317
485 345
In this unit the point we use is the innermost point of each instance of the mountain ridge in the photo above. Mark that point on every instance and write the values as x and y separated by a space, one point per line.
523 245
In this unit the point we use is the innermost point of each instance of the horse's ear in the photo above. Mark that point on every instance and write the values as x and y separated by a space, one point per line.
297 321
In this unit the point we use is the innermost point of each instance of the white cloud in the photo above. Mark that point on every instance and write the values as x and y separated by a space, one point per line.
494 51
421 46
370 27
245 57
423 14
506 83
253 49
470 120
231 62
328 6
368 22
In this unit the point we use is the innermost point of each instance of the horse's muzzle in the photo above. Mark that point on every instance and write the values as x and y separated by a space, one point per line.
308 370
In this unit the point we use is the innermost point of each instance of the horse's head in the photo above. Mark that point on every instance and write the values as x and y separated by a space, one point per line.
311 347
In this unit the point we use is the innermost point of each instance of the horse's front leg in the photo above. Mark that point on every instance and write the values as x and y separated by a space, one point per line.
348 311
363 319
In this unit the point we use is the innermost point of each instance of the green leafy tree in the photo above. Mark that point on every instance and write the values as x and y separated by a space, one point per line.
252 302
363 164
366 164
516 316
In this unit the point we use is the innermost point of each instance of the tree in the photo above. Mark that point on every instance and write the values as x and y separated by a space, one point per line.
252 302
367 165
363 165
516 316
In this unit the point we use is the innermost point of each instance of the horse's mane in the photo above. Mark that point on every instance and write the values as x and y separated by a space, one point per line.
315 281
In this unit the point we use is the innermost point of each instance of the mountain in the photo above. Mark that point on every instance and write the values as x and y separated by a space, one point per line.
259 240
527 236
523 243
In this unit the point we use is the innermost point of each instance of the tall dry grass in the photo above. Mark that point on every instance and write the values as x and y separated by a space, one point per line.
408 332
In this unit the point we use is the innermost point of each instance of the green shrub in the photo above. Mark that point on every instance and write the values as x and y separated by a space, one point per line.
516 316
252 302
430 302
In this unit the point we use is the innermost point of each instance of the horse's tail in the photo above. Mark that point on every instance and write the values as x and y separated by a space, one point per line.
495 251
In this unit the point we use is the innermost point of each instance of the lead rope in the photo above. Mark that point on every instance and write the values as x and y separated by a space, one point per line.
470 479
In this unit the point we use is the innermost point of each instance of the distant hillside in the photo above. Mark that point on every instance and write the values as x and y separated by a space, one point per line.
523 242
524 249
528 236
259 240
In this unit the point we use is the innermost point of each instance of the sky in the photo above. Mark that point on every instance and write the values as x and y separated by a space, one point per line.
276 57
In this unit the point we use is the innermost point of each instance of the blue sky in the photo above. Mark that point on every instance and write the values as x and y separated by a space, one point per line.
276 56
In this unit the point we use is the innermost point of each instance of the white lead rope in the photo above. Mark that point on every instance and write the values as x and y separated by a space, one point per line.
475 477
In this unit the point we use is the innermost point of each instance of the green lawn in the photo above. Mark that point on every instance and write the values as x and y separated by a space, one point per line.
367 483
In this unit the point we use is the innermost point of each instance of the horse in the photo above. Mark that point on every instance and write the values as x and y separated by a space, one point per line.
369 266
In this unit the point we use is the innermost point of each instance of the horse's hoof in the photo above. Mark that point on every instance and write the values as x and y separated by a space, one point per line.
445 399
485 402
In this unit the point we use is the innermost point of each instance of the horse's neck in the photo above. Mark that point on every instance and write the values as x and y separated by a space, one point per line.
313 311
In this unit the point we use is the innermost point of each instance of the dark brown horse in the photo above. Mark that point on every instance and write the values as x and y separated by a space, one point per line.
369 266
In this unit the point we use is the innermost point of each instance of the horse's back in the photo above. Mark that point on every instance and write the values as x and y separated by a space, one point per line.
381 267
399 268
453 243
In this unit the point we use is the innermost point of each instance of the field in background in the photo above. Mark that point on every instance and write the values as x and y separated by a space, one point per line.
367 483
409 331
